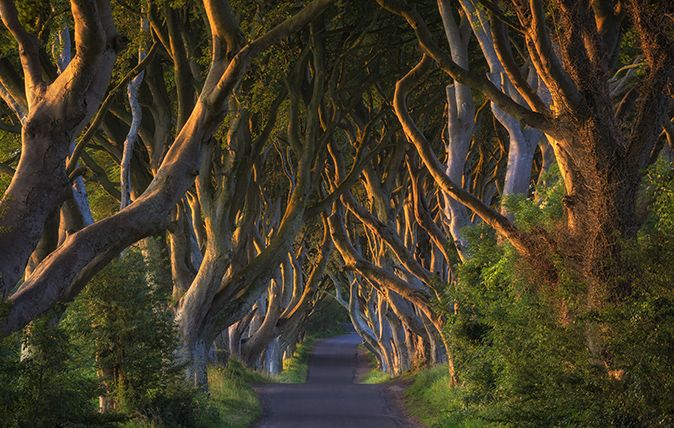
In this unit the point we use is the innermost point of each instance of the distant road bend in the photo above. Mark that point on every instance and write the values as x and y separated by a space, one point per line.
330 398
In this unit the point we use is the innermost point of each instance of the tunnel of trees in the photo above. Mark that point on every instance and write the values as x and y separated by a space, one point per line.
483 185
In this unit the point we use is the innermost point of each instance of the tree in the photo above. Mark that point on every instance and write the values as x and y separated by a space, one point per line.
52 110
601 152
66 271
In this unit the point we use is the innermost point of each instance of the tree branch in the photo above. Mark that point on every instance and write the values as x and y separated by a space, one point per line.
103 109
389 237
500 223
558 80
653 101
475 81
28 50
355 261
505 56
62 275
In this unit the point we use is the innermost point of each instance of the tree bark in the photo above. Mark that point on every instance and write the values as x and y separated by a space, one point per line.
68 269
57 111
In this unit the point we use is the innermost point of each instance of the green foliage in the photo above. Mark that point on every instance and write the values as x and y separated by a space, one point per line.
118 339
296 368
47 386
10 146
118 335
545 209
523 349
128 327
230 402
375 375
660 187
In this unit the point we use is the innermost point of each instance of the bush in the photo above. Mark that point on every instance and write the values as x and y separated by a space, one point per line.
117 335
232 403
127 326
524 361
47 386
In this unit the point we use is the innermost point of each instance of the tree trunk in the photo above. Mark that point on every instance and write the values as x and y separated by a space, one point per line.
31 197
58 110
196 357
86 252
400 344
273 357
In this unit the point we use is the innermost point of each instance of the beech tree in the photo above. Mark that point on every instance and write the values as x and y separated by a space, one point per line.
589 140
52 109
64 273
393 157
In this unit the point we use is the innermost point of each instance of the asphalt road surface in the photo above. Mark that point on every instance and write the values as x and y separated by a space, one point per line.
330 398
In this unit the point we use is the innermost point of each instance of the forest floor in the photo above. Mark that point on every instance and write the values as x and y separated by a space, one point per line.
331 397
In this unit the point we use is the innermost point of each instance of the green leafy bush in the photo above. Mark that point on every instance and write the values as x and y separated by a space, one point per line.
127 325
117 339
46 386
433 402
523 349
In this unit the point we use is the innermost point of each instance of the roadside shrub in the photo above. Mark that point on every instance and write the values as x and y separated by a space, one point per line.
127 326
46 386
522 347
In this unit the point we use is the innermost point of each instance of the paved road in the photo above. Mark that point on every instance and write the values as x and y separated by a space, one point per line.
330 398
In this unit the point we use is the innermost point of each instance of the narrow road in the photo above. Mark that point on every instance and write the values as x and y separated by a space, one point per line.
330 398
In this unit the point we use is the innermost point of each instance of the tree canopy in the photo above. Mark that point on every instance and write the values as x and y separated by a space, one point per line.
484 185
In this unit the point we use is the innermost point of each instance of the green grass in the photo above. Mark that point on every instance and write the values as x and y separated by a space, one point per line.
232 397
296 368
431 400
375 375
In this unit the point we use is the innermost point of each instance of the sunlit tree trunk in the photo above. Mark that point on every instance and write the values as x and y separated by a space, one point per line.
460 125
88 250
56 111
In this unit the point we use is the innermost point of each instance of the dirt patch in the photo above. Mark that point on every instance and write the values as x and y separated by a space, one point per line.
396 396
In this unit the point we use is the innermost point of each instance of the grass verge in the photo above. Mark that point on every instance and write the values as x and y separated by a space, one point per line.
229 403
430 399
296 368
375 375
232 401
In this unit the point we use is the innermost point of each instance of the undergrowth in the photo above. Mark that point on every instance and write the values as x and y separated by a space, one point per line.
434 403
230 402
296 368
